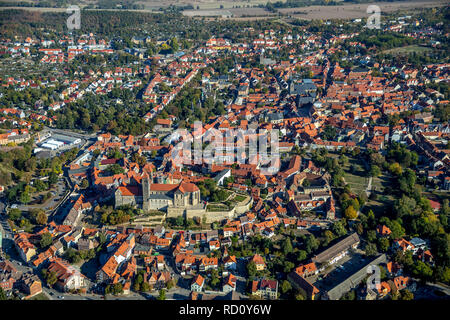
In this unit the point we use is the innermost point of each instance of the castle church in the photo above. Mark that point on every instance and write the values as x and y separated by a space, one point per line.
158 196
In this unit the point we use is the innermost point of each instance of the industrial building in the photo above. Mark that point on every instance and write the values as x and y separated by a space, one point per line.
56 142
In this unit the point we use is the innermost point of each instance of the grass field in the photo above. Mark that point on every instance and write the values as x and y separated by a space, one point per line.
358 179
407 50
217 207
239 198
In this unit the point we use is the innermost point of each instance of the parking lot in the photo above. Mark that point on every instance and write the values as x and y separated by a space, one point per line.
58 192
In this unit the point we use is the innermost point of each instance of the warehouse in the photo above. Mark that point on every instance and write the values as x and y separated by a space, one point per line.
52 144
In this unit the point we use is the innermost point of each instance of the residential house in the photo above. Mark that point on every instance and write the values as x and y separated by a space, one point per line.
229 283
265 288
197 283
259 262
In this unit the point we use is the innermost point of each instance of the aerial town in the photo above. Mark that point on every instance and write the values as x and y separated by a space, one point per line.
131 161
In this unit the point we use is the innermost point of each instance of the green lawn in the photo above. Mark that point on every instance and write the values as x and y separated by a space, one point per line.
380 205
239 198
357 179
217 207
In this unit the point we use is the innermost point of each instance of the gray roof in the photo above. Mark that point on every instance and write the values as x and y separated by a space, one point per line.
354 280
416 242
19 137
302 88
275 116
159 197
304 100
221 174
336 249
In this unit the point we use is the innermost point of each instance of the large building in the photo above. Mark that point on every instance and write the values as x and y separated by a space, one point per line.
337 251
68 277
158 196
25 248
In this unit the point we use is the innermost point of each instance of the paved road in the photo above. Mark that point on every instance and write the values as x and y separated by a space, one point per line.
4 221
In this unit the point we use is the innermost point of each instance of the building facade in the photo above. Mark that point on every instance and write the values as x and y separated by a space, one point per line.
158 196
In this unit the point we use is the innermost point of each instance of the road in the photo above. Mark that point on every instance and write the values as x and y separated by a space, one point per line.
4 221
369 187
53 294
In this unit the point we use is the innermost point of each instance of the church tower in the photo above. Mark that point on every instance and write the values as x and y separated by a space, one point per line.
146 182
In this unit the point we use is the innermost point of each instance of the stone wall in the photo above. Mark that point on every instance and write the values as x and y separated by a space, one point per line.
174 212
241 209
211 216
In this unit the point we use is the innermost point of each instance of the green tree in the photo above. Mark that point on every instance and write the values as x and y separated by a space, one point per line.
285 286
287 246
302 255
299 296
383 244
46 240
339 229
162 294
329 133
50 277
170 284
41 218
15 214
329 236
406 295
370 249
311 243
25 197
288 266
115 169
350 213
371 235
375 171
251 269
2 294
145 286
422 270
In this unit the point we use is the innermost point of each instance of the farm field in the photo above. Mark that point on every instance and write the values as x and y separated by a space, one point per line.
346 11
353 11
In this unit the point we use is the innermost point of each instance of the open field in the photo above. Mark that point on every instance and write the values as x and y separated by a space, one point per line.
407 50
353 11
347 11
